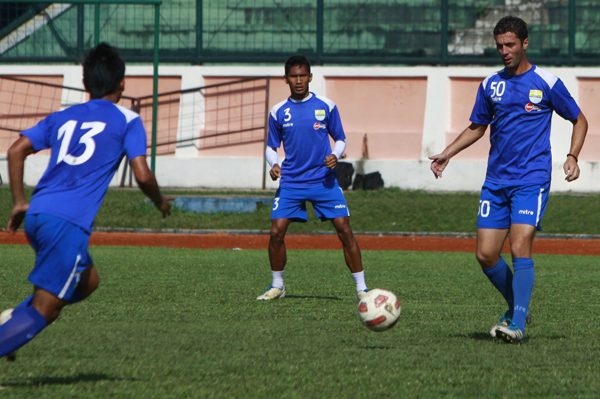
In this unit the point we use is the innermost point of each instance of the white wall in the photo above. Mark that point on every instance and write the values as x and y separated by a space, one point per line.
186 169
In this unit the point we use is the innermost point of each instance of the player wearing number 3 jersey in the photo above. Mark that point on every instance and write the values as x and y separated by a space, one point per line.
304 123
87 142
517 102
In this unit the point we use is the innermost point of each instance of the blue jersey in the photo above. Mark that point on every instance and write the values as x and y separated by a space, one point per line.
519 109
304 128
87 142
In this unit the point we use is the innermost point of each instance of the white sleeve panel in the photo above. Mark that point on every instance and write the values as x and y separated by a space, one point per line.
272 157
339 148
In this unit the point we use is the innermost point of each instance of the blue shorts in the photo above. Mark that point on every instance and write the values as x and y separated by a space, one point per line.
61 253
328 202
500 206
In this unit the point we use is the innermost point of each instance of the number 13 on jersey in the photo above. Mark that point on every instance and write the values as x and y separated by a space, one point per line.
65 132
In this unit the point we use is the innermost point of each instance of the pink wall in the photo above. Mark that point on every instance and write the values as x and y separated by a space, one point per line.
23 105
390 111
589 98
168 108
462 98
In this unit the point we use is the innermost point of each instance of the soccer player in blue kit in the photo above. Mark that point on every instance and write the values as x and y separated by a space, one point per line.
517 102
304 123
87 143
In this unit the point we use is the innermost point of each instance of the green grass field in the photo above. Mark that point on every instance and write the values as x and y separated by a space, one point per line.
175 323
387 210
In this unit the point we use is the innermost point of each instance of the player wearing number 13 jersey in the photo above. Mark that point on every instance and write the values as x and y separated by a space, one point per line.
304 123
517 103
87 143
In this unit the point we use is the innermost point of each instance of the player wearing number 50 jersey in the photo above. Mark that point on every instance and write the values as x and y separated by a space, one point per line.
87 142
517 102
303 123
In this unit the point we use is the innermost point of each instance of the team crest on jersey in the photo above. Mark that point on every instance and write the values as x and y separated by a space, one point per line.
319 125
535 96
319 114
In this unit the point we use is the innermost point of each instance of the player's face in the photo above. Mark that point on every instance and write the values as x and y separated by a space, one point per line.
511 50
298 79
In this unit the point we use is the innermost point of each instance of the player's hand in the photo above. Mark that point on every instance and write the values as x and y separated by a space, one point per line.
571 169
165 206
438 164
16 217
275 172
331 161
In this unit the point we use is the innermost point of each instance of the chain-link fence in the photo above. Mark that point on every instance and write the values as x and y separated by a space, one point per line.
333 31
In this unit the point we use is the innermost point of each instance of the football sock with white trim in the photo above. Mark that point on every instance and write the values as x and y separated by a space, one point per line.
20 329
359 279
502 277
76 297
522 288
277 279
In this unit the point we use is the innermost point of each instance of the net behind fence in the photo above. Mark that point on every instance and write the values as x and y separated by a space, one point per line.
220 115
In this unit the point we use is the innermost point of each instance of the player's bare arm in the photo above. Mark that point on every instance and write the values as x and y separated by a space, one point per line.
147 182
571 167
331 161
275 172
16 162
469 136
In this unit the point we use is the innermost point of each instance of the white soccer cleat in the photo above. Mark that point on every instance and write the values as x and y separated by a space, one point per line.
5 316
361 294
503 323
511 333
272 293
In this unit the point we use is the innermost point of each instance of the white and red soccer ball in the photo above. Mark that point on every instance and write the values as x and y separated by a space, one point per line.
379 310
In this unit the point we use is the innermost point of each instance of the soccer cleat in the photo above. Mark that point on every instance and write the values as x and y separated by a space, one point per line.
511 333
504 323
272 293
4 317
361 294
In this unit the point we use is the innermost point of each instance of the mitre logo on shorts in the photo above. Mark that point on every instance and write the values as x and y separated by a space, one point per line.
319 125
535 96
341 206
319 114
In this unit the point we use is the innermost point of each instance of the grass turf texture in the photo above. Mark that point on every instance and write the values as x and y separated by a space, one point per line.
182 323
386 210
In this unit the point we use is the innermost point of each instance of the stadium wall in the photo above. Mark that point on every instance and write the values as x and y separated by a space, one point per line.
394 118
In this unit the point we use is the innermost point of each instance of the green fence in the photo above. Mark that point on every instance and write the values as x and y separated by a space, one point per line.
444 32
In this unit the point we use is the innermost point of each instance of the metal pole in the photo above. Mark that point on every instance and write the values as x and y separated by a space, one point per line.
264 182
572 9
199 31
444 41
97 23
155 86
80 26
320 12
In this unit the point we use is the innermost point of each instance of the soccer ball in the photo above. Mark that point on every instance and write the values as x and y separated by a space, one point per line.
379 310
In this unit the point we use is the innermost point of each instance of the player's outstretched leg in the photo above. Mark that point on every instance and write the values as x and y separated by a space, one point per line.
352 254
278 259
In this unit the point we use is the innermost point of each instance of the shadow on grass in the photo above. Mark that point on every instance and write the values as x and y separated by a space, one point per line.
333 298
372 347
67 380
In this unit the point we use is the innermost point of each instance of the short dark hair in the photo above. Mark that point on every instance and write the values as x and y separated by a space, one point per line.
296 60
512 24
103 70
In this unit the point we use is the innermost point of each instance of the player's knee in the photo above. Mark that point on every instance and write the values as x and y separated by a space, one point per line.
486 260
277 235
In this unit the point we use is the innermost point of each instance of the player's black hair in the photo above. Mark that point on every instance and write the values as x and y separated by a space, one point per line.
512 24
296 60
103 70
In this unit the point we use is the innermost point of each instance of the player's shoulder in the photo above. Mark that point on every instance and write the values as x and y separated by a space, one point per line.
546 76
277 107
330 104
490 78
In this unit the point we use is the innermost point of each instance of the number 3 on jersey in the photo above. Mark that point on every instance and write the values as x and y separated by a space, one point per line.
65 132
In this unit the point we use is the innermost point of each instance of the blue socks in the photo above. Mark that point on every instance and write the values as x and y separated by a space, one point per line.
502 277
20 329
522 288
